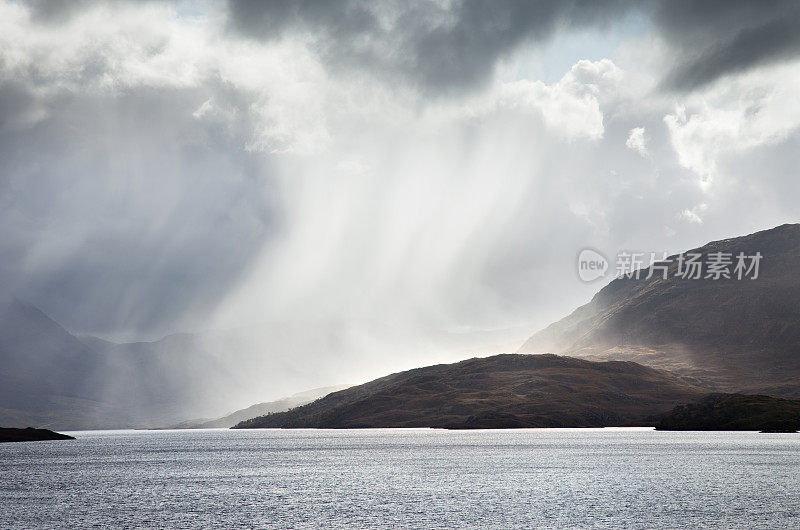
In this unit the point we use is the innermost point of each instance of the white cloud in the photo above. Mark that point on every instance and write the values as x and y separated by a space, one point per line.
693 215
571 107
756 109
103 48
108 50
637 141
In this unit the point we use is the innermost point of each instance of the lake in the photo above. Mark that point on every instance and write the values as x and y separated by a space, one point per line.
372 478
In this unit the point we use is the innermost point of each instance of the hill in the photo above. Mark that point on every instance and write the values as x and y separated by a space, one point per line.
734 335
509 390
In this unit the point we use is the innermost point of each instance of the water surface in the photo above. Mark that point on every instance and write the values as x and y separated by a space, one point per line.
403 478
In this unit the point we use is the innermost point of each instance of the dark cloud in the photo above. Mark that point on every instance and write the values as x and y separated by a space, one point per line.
457 47
60 11
438 48
717 38
55 10
269 20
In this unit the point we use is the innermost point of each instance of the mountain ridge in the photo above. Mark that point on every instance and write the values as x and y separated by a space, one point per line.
735 335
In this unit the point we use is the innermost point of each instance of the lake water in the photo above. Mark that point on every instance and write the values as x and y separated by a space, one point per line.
633 478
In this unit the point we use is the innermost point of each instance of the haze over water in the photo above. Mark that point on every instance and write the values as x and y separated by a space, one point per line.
636 478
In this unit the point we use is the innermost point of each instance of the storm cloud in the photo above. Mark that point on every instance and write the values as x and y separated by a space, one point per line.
718 38
451 46
438 46
167 167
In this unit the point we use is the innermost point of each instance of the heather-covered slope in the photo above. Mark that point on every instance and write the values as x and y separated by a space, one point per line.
740 335
499 391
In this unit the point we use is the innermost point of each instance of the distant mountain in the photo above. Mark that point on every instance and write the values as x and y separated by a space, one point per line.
260 409
47 376
734 412
500 391
735 335
50 378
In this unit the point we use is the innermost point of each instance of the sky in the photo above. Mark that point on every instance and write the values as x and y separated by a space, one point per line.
435 165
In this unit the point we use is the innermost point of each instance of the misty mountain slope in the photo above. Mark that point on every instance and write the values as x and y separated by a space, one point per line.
743 335
37 350
48 377
167 379
509 390
259 409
